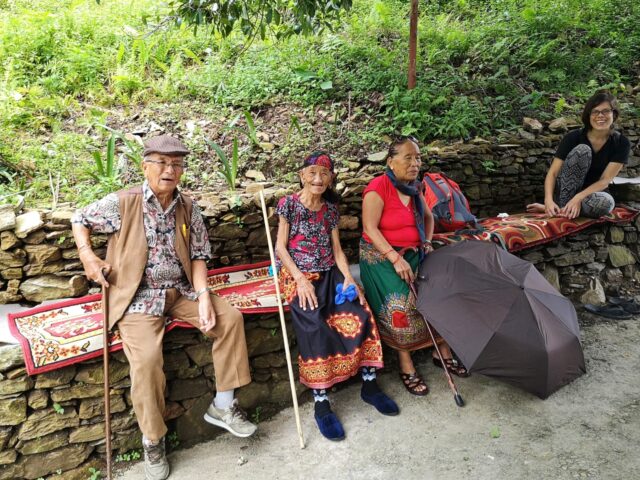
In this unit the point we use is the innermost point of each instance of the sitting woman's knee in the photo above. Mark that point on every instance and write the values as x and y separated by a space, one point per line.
580 149
598 204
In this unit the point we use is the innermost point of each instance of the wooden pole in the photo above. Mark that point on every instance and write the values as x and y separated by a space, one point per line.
107 387
413 43
294 395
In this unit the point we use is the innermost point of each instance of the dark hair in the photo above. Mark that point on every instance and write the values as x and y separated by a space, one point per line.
329 195
396 142
595 100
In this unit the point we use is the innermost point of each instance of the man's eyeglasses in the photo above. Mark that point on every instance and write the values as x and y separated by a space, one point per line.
162 164
605 112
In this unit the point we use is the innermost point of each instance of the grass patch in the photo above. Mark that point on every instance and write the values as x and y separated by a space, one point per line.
65 65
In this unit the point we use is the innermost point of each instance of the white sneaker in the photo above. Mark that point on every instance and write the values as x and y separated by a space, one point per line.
156 465
233 419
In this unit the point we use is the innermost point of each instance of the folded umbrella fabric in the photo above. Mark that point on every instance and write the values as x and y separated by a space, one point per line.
501 316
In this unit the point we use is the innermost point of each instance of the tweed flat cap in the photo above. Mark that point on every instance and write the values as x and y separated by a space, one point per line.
166 145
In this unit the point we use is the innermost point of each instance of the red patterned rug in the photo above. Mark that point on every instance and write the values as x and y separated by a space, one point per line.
525 230
68 332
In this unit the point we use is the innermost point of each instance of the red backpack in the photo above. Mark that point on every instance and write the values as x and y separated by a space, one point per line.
449 206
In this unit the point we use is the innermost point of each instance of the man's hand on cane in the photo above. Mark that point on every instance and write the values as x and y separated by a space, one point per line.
95 268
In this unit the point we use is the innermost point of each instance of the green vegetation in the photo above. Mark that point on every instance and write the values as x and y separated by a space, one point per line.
69 66
94 473
173 440
255 417
130 456
279 18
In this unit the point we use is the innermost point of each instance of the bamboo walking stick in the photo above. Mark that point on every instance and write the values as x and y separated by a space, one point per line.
107 388
294 396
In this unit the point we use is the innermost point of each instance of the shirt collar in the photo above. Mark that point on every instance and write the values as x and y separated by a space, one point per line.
149 196
148 193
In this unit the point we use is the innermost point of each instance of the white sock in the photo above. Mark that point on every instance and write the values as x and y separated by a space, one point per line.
148 442
223 400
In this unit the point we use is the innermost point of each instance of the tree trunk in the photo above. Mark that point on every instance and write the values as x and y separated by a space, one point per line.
413 43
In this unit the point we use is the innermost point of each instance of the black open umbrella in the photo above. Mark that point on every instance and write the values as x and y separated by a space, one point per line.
501 316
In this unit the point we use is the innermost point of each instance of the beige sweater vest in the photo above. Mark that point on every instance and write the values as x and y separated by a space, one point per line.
127 250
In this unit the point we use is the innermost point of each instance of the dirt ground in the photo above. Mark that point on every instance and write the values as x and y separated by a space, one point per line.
588 429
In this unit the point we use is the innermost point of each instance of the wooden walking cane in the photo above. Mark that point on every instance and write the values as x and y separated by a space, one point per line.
107 388
456 395
294 396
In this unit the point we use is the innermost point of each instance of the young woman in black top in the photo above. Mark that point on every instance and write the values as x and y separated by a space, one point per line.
585 163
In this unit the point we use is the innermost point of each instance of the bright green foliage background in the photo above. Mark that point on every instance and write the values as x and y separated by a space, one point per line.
482 66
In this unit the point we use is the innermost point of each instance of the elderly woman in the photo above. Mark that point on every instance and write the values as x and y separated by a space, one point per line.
585 163
398 227
337 335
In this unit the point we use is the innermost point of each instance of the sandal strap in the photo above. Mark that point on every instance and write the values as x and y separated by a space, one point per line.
413 381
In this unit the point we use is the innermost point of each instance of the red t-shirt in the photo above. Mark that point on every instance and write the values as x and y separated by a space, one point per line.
397 223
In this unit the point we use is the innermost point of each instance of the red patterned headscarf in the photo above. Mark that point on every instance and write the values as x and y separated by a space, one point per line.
321 159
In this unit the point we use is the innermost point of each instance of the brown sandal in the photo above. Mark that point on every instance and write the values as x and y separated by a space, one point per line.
412 382
453 366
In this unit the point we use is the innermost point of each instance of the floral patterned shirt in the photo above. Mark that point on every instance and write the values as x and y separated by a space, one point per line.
309 242
163 269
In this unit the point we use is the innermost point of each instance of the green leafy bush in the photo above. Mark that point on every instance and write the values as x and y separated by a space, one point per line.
482 65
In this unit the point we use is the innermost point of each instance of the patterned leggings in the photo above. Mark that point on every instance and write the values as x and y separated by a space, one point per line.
569 182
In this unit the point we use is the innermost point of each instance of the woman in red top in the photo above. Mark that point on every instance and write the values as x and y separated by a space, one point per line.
398 227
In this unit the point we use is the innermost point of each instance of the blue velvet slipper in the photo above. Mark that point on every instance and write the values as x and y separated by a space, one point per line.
330 426
382 402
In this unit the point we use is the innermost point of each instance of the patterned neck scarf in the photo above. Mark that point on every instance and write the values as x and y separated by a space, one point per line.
414 190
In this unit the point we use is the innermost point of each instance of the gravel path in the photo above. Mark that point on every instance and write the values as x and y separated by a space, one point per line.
589 429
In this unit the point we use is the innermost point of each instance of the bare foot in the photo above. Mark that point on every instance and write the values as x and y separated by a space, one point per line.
535 208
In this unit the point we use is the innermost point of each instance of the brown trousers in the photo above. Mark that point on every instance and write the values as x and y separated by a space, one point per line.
142 341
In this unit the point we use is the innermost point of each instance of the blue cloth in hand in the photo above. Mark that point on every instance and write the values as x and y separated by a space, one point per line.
342 295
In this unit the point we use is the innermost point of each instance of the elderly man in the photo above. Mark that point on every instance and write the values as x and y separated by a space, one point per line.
156 267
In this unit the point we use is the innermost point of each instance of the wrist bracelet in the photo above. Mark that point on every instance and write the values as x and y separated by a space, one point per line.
201 291
428 241
83 246
387 252
397 259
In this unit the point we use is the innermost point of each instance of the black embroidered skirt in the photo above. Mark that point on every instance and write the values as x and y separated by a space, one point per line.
334 340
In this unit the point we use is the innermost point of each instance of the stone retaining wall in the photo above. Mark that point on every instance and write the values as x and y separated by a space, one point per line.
51 424
38 259
53 421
